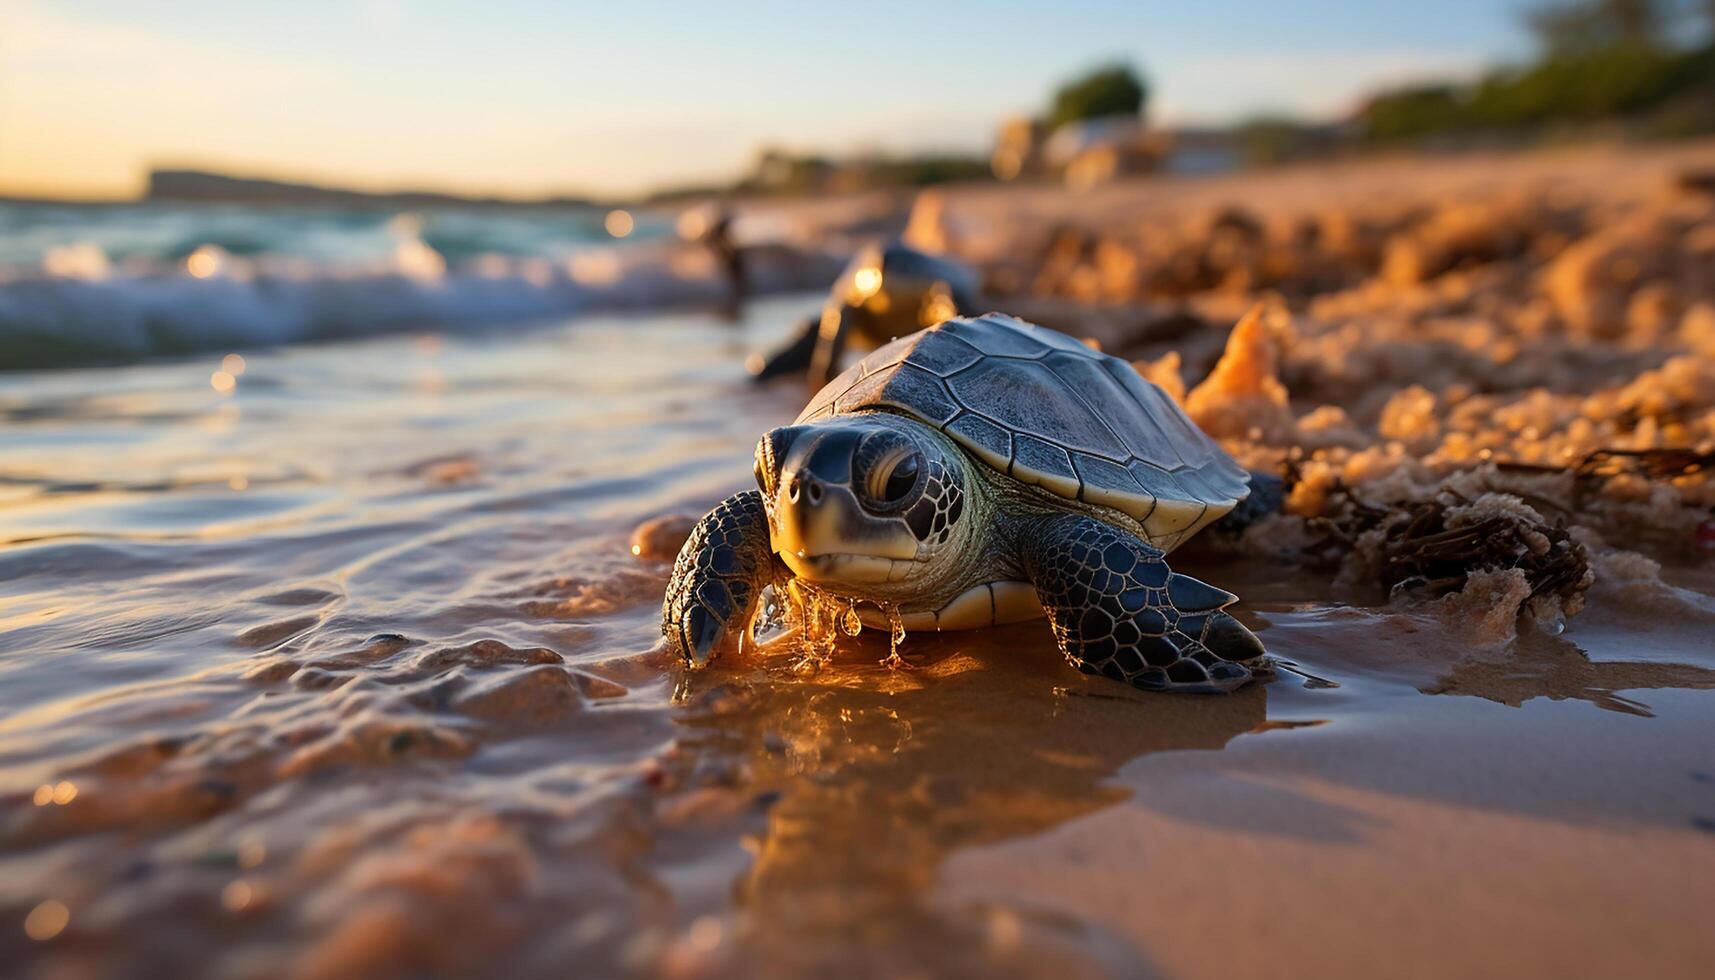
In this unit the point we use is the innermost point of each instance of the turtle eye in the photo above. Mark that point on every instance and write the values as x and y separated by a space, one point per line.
895 477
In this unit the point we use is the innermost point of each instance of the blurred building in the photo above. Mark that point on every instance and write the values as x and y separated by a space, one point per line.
1084 153
1204 151
1094 151
1018 148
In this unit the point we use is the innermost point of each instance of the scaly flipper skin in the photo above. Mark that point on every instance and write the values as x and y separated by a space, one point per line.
718 579
1119 611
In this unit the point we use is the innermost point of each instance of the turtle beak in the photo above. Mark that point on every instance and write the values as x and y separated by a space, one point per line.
807 515
817 525
791 535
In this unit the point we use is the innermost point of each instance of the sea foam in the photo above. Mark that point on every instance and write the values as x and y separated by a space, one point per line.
77 306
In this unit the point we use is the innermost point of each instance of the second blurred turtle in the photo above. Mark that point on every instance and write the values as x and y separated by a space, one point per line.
887 291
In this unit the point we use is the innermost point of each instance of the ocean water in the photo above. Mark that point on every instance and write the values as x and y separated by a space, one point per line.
108 284
331 659
156 234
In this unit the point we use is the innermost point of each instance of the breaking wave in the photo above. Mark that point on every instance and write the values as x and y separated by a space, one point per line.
75 308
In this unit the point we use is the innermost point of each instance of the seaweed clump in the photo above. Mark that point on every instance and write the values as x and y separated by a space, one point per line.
1492 555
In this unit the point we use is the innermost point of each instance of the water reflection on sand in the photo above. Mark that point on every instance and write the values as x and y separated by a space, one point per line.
342 672
880 773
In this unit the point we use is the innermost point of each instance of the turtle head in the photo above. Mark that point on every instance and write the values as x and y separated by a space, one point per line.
861 500
903 289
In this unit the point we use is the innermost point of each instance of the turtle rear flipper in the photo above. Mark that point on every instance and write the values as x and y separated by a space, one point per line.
718 580
1119 611
1267 497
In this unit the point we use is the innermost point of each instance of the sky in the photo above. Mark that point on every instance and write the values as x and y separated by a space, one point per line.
530 97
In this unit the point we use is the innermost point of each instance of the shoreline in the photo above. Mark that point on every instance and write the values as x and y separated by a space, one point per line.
345 667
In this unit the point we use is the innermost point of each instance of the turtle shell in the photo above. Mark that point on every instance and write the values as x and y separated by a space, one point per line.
1047 410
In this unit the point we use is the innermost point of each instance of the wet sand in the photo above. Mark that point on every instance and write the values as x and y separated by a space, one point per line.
1419 836
346 673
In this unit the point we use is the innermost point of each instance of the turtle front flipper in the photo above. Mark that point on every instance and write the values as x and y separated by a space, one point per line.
837 324
718 579
1119 611
791 357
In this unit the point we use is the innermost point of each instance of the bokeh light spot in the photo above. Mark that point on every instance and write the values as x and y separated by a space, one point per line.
867 280
204 262
252 853
237 896
47 920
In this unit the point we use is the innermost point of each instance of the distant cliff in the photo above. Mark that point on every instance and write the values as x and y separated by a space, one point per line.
202 185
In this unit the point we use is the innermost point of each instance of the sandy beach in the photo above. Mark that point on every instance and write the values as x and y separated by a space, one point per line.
340 666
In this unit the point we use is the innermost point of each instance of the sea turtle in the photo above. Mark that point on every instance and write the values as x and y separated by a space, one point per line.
886 291
982 471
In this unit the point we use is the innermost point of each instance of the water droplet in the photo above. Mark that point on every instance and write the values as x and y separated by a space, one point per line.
853 623
819 617
896 636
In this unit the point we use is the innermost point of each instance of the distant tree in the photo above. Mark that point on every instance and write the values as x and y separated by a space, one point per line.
1410 112
1270 139
921 171
1114 90
1592 25
781 170
1620 80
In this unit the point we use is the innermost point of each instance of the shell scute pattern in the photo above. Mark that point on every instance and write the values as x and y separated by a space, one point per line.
863 391
1085 379
1155 481
1106 483
1036 461
886 355
1030 397
1047 410
992 443
944 359
998 343
925 393
1188 444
